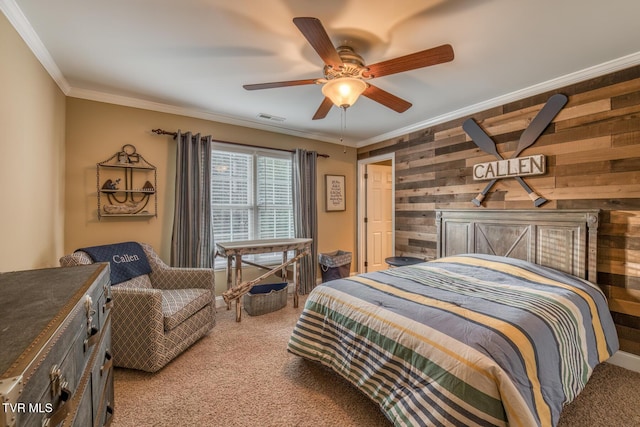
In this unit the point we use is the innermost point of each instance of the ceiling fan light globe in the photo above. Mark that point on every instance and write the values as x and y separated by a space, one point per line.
344 91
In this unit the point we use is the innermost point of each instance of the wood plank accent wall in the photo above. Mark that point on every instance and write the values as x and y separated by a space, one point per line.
593 161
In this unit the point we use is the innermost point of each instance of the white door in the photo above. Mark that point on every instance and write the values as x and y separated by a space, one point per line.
379 216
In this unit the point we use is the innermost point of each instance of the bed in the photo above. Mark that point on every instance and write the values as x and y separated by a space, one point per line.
503 328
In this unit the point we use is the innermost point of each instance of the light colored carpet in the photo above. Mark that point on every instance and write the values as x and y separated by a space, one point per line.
242 375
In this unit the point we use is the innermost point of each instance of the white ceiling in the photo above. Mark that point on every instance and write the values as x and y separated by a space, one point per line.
192 57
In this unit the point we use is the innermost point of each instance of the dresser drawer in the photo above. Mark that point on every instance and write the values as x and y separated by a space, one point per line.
102 382
84 414
48 395
101 304
89 329
104 304
102 367
105 410
85 407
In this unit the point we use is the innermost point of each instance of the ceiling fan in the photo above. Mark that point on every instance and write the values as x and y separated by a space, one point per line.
346 75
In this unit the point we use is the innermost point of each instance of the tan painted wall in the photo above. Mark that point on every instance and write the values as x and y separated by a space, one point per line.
95 131
32 120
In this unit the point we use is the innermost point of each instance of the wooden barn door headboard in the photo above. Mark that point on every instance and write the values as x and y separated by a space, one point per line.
562 239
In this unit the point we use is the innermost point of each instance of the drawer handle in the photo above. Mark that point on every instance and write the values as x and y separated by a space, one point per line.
92 339
59 385
88 306
108 362
108 416
61 413
108 305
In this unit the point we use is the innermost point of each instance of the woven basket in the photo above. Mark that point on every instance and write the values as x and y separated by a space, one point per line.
335 259
262 299
335 265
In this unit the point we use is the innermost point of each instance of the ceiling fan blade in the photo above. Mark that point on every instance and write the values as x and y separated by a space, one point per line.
323 110
314 32
425 58
385 98
280 84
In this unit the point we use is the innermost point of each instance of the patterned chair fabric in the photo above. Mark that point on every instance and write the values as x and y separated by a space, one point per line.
155 317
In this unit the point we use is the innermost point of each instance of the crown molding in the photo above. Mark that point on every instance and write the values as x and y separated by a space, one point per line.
568 79
25 30
126 101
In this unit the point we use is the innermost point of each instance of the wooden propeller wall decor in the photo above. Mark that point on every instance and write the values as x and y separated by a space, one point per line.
344 63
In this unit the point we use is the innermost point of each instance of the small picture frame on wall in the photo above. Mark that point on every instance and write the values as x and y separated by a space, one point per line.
334 190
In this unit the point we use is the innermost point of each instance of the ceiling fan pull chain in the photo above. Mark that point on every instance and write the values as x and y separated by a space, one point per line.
343 128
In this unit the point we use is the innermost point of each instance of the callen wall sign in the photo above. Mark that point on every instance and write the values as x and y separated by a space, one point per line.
510 168
514 167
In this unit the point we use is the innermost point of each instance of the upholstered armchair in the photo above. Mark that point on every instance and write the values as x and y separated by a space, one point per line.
156 316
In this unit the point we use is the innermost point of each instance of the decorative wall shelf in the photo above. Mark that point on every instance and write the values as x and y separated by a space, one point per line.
118 196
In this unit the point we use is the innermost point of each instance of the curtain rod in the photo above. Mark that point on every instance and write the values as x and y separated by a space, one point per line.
175 134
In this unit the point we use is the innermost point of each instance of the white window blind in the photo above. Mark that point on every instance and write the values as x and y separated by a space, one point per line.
251 196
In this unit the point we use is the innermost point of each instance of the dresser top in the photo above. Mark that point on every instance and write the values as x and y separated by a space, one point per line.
33 303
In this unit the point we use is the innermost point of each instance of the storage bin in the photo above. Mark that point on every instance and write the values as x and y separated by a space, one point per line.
335 265
262 299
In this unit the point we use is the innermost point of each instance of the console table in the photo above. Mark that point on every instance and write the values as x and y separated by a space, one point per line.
235 250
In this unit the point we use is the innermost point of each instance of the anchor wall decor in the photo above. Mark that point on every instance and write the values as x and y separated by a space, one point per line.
530 135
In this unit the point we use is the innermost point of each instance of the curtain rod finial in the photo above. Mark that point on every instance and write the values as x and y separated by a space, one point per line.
164 132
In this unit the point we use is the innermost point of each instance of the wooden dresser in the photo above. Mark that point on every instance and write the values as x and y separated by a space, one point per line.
55 334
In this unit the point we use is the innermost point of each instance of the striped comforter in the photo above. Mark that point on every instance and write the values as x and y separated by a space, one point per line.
464 340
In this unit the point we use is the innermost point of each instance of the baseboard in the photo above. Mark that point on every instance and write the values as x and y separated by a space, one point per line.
626 360
220 302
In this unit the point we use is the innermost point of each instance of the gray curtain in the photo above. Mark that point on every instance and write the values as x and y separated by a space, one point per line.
192 237
305 213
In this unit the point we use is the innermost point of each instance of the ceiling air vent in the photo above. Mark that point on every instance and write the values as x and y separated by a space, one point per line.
264 116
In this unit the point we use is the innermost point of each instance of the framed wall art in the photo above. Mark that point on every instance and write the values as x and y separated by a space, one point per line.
334 188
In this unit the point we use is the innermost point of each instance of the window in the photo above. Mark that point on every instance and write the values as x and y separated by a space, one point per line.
251 196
